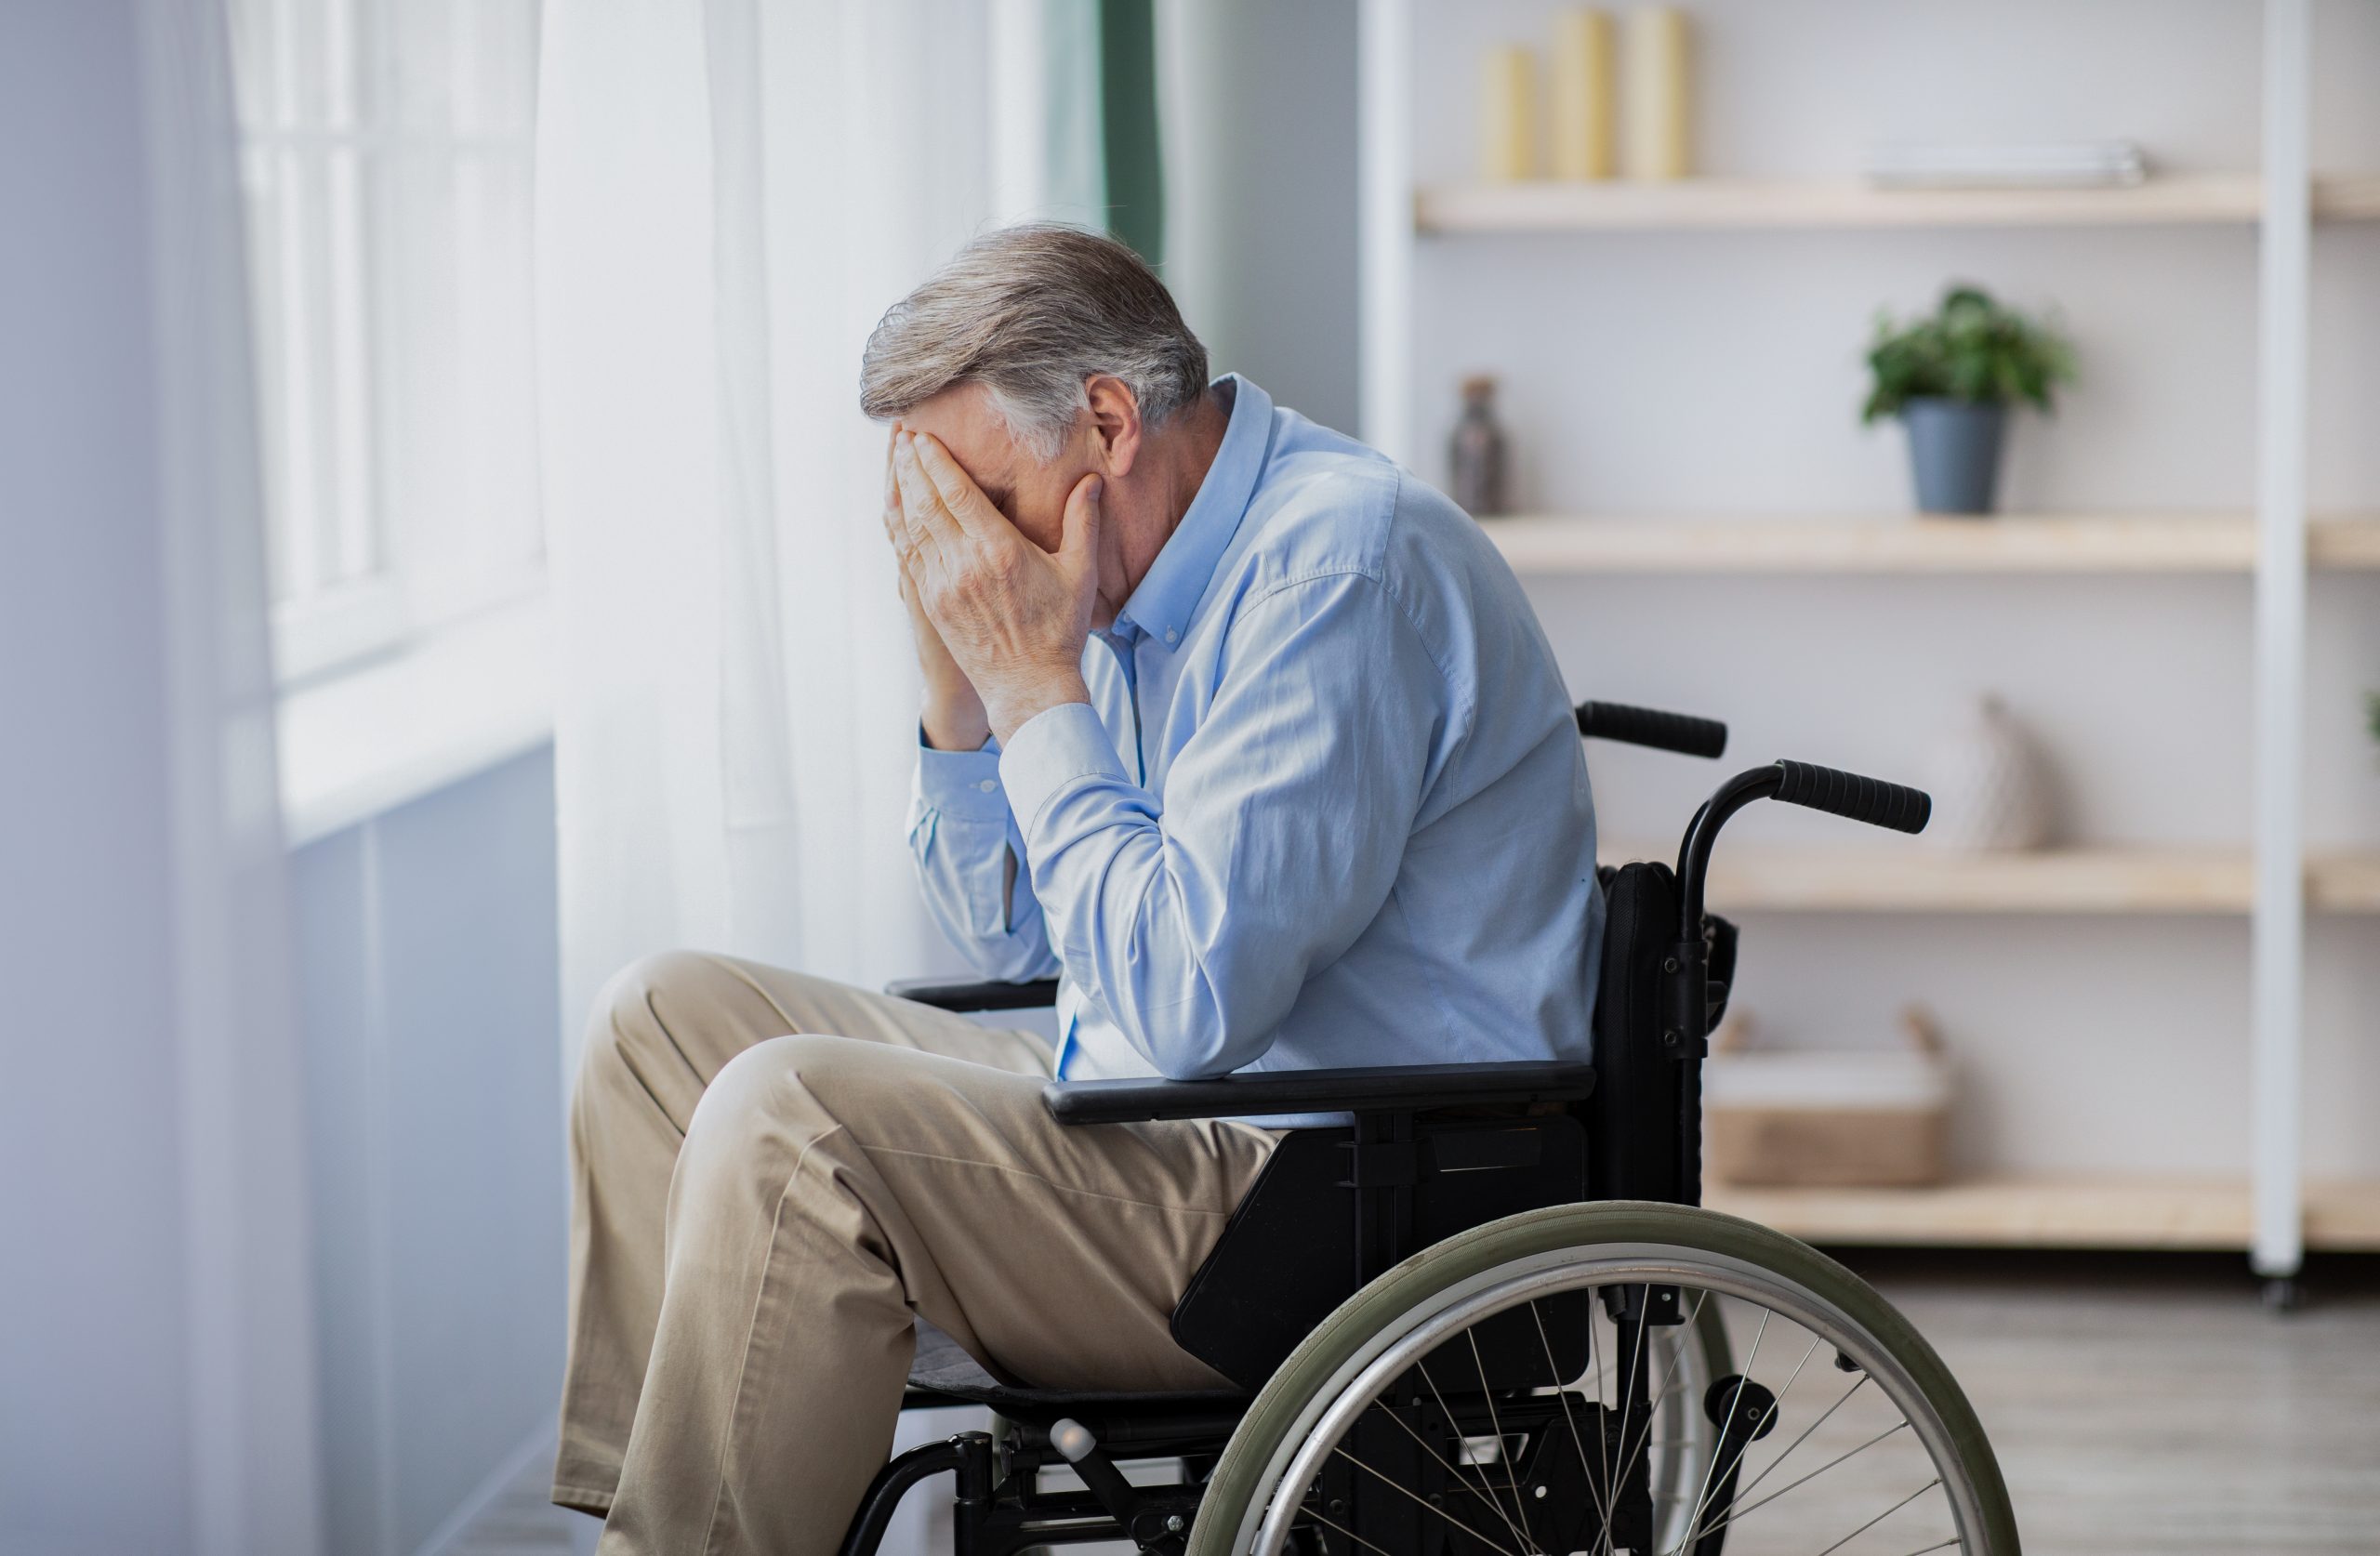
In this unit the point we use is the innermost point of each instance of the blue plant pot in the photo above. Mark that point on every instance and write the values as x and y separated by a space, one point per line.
1954 453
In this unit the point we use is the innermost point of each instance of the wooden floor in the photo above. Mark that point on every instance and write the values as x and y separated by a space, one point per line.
2141 1405
522 1522
2146 1405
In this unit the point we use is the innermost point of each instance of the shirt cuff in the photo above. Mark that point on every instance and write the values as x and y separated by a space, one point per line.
1056 750
962 784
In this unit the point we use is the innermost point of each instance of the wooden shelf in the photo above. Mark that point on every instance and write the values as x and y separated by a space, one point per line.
2053 1213
2178 199
1753 878
2344 881
2063 543
1548 545
2344 543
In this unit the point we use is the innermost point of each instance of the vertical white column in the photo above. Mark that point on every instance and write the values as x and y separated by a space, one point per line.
2276 978
1384 160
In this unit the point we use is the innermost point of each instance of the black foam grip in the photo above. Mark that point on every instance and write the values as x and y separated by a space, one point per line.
1848 794
1681 732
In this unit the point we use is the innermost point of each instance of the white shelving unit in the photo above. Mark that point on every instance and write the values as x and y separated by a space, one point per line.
1727 203
2115 543
2268 878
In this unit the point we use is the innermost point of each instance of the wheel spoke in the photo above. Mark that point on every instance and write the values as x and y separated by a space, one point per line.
1702 1497
1428 1448
1702 1505
1882 1516
1603 1443
1653 1410
1420 1500
1555 1369
1485 1489
1503 1457
1747 1490
1635 1354
1342 1529
1630 1451
1755 1506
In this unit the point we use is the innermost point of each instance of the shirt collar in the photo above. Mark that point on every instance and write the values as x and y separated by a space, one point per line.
1163 604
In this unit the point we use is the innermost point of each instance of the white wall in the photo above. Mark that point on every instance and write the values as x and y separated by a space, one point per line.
1651 374
428 978
1260 203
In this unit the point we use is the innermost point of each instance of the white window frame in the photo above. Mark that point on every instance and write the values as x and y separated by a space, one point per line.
330 481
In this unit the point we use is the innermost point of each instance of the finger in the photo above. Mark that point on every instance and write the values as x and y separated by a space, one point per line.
921 503
1079 547
896 530
959 492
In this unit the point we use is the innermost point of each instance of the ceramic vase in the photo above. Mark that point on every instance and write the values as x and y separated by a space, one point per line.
1476 454
1990 789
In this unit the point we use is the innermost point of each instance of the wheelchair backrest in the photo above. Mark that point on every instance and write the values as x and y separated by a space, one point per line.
1334 1207
1644 1120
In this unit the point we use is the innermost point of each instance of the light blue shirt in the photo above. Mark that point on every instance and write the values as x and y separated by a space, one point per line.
1326 809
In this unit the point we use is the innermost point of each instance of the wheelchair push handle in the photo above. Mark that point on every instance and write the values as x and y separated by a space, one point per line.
1853 796
1681 732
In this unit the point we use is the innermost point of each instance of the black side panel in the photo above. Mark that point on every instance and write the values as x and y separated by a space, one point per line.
1288 1256
1282 1263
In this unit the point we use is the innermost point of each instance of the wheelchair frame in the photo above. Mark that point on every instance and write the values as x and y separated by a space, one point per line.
1626 1126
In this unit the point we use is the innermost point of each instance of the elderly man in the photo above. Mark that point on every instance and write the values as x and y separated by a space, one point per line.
1237 727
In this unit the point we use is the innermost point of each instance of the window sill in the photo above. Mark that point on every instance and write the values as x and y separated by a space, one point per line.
473 695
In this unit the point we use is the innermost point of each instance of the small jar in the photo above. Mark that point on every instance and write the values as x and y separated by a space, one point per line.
1477 456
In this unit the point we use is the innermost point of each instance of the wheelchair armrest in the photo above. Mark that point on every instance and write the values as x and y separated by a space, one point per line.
1031 995
1399 1087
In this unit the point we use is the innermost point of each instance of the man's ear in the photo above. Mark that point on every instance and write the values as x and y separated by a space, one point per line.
1115 422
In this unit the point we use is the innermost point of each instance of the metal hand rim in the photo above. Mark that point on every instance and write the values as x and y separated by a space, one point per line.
1384 1357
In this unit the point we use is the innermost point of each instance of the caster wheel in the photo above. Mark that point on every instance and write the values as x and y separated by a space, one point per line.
2283 1294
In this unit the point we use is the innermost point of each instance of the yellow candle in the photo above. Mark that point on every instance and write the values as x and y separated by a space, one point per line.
1582 95
1507 115
1654 96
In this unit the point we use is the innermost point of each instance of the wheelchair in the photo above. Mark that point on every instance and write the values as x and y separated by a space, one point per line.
1489 1317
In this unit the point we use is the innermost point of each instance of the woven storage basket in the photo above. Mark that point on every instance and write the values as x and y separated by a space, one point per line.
1835 1118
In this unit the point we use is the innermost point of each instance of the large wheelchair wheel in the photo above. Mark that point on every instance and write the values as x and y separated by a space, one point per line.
1566 1381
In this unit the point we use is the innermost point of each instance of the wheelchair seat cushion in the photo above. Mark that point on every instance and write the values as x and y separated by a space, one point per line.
943 1373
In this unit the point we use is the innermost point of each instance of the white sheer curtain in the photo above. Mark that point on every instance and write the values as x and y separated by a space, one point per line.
729 195
253 1416
156 1343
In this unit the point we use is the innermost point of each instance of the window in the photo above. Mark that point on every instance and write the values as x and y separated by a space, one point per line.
387 160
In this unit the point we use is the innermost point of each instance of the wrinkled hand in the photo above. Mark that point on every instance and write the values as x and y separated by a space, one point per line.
1013 617
951 714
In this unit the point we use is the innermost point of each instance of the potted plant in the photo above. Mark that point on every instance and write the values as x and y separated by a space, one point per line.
1951 378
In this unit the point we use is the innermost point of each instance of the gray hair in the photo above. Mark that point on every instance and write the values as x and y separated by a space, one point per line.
1032 312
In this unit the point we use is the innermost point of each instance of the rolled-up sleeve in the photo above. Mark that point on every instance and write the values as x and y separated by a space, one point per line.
967 852
1195 925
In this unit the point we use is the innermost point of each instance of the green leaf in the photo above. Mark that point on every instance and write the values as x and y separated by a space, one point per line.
1971 349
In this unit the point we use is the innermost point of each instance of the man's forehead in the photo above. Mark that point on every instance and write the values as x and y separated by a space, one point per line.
972 429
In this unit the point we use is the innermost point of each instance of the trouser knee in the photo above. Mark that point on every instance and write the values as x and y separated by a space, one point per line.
784 1087
626 1025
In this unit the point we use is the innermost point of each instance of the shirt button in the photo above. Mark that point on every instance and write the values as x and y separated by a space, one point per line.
1172 636
987 785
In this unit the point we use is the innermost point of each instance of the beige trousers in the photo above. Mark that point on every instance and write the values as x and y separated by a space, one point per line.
758 1216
